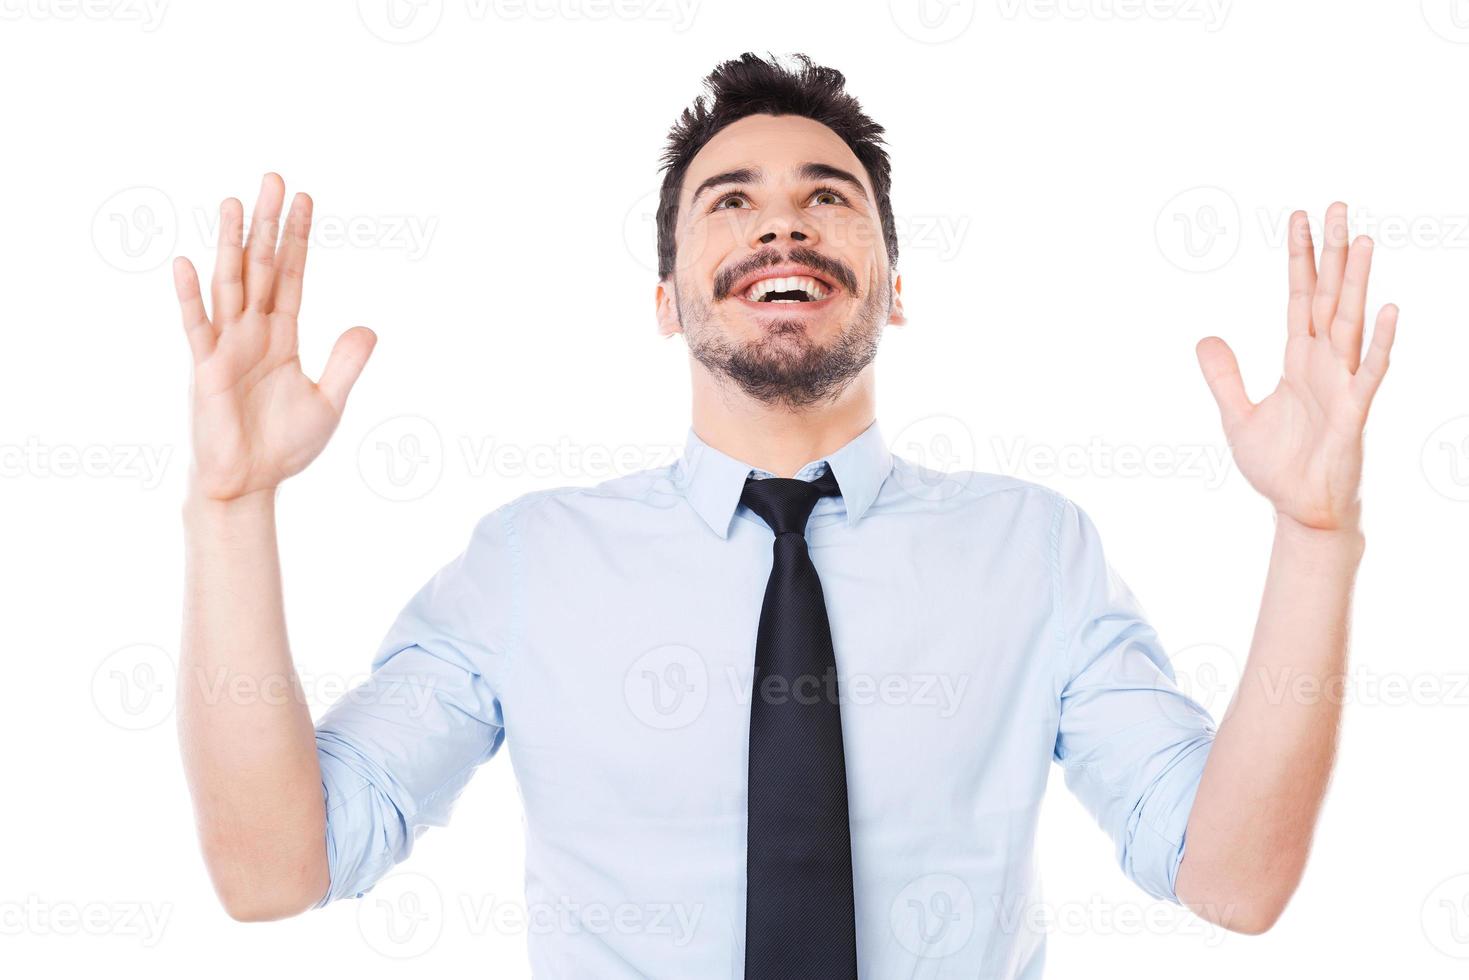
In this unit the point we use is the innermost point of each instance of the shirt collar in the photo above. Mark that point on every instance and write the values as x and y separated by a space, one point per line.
713 481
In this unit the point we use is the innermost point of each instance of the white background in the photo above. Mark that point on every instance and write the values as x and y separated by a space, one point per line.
1084 189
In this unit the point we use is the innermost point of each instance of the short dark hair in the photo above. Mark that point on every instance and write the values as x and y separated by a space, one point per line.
750 85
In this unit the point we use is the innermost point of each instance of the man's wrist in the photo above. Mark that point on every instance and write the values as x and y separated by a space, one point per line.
202 510
1343 539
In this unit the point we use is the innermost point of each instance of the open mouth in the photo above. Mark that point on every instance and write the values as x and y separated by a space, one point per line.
787 290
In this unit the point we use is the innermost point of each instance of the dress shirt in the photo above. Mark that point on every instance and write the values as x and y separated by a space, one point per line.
607 633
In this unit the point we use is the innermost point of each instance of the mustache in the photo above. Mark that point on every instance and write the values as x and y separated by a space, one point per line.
832 269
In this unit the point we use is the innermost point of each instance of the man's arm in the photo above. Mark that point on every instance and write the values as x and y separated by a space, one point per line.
1259 797
248 745
1301 447
245 733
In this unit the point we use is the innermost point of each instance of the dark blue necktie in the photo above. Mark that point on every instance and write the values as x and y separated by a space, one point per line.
799 908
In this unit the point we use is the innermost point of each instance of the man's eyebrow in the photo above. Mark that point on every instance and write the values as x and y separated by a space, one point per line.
806 171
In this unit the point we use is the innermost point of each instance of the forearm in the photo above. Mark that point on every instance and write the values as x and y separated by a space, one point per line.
246 734
1257 803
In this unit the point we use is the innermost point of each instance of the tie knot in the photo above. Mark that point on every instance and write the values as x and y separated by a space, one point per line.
786 503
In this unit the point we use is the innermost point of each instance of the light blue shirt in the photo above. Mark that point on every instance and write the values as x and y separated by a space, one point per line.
608 633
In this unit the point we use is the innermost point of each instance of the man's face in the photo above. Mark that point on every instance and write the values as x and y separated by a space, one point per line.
752 208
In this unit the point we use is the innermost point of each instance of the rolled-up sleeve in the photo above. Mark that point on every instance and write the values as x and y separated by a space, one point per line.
1133 745
397 749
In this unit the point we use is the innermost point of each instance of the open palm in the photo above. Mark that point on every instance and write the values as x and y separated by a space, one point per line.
1301 446
257 418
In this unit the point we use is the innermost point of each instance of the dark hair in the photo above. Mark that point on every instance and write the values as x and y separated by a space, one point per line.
752 85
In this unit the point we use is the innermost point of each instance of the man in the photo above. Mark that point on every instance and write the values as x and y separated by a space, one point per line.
799 690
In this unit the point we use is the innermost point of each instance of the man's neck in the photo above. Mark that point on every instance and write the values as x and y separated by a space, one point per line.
778 439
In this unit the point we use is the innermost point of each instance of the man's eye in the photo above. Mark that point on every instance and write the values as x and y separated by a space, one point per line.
718 205
834 198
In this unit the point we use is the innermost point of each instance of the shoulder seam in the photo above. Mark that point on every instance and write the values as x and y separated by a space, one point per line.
1057 593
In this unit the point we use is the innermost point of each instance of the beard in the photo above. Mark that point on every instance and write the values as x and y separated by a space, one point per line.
785 368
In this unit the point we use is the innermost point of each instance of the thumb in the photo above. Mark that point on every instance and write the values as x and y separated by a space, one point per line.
1221 371
349 355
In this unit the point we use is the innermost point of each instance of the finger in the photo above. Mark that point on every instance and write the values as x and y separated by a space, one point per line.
348 356
1221 371
291 262
1333 265
1346 326
227 288
260 249
197 327
1374 365
1302 264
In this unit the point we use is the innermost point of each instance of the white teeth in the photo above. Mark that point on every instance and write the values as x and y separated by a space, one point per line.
813 288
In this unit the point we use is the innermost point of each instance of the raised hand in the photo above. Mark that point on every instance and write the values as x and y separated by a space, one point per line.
1301 446
257 418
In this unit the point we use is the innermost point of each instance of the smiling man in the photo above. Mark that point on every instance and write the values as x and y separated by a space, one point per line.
787 706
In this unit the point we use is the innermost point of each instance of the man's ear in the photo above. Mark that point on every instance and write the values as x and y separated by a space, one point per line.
666 309
897 317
